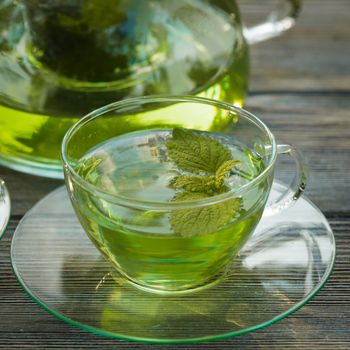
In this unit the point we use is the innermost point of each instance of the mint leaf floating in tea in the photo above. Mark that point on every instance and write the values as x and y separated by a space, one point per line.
87 169
222 171
195 152
194 183
195 221
208 161
206 184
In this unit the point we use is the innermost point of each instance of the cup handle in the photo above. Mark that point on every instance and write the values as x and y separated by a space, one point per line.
276 24
297 187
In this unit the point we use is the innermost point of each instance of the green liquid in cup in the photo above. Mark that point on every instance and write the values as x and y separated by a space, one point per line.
143 244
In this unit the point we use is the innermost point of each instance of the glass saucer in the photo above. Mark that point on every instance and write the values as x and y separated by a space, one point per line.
4 207
285 263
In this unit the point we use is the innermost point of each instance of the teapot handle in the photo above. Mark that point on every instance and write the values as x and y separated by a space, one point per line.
276 24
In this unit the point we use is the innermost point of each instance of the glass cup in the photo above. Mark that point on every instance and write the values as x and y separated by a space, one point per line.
171 246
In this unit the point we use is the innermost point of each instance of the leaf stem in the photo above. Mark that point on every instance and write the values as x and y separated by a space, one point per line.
242 173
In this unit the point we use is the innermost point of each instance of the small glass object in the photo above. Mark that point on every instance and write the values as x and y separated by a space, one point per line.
5 207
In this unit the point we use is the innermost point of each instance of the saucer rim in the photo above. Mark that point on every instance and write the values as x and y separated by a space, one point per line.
327 274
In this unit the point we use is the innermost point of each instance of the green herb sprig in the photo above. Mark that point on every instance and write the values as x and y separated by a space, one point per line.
208 161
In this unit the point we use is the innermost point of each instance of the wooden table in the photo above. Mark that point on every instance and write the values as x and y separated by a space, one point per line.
301 87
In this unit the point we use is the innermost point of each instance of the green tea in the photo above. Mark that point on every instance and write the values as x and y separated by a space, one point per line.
68 58
145 244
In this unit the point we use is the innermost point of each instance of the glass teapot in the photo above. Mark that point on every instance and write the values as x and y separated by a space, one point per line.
60 59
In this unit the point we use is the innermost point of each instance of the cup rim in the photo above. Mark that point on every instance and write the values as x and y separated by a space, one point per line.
157 205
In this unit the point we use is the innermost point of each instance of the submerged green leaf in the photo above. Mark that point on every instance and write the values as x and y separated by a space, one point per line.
87 168
201 220
193 183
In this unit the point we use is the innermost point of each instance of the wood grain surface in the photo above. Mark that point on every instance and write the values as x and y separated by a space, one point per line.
300 87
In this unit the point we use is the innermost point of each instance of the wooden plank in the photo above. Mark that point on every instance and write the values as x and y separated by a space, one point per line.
314 55
324 323
319 125
25 190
